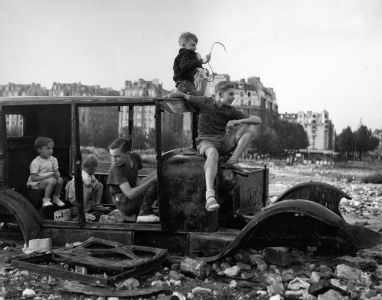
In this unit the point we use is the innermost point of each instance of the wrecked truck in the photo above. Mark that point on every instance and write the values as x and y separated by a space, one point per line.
305 215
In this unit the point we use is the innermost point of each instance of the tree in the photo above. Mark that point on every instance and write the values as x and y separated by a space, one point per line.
345 142
100 136
365 141
265 143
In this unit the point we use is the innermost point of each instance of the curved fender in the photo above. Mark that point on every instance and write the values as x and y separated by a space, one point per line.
319 192
26 215
334 227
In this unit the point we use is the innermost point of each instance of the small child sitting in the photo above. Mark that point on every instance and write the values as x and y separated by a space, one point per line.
44 172
91 187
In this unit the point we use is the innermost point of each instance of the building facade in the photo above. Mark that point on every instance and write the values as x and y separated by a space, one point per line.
14 90
144 116
318 126
90 117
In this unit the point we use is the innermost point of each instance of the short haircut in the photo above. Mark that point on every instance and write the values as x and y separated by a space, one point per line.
123 144
185 37
42 141
223 86
91 161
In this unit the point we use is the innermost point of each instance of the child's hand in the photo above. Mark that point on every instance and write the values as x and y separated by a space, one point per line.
233 123
56 175
206 59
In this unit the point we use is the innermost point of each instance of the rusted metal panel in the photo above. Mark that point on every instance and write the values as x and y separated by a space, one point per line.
248 198
107 255
176 243
203 244
3 149
60 236
300 223
25 214
176 106
319 192
183 185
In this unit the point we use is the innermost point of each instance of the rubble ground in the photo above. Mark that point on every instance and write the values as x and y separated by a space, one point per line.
275 273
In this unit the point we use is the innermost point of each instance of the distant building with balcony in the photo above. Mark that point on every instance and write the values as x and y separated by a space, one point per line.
14 90
144 116
90 117
318 126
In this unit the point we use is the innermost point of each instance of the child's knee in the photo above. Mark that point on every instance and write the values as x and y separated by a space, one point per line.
60 181
212 154
250 128
51 181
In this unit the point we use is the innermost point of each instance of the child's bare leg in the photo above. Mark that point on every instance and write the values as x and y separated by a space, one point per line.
48 185
244 137
58 187
210 170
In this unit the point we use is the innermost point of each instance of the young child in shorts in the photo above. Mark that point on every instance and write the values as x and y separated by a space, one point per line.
217 114
92 188
44 172
186 64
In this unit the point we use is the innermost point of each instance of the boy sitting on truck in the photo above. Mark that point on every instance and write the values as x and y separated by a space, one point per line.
126 192
213 140
44 172
92 189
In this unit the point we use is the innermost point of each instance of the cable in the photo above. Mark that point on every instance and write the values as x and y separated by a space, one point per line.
212 71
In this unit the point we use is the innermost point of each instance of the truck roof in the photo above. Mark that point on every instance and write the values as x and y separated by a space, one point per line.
171 105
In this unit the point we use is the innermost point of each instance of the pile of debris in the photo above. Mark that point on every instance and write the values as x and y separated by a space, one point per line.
271 273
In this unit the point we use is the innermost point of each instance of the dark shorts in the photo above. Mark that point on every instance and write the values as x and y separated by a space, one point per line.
187 87
223 144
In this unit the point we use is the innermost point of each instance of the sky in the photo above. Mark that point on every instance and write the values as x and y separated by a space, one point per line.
315 54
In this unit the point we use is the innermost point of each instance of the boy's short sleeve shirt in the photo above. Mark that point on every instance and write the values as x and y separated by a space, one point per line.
212 119
121 174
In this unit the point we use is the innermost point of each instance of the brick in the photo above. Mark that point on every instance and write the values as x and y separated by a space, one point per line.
278 256
63 215
40 245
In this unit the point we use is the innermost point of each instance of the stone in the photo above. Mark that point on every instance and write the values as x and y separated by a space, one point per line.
232 272
363 264
294 294
215 267
287 275
157 283
248 275
311 267
273 278
174 275
112 298
28 293
275 297
238 257
200 291
129 284
175 267
38 245
52 281
368 294
278 256
349 273
297 284
243 266
314 277
158 276
232 284
275 289
224 266
331 295
365 279
259 263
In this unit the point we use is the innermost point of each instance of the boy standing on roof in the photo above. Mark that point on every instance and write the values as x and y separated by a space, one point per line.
186 63
215 115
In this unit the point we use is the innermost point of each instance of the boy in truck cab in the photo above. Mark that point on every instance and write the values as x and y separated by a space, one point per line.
217 114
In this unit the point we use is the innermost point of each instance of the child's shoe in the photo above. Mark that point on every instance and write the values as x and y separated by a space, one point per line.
46 202
211 204
57 201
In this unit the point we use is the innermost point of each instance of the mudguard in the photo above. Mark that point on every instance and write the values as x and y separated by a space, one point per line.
298 224
319 192
26 215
